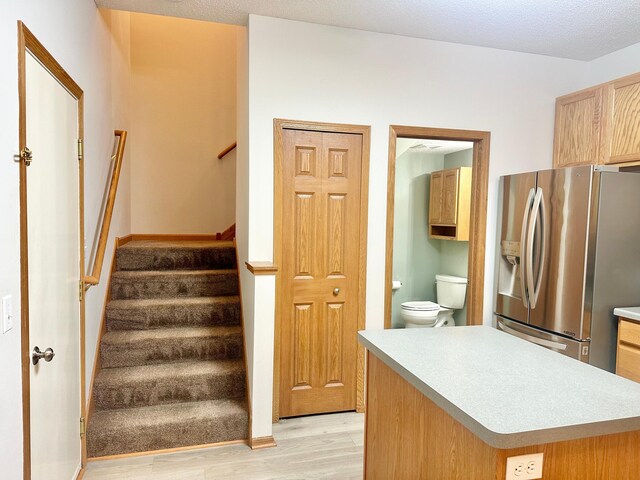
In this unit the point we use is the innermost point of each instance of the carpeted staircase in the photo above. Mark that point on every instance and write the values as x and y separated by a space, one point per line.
172 371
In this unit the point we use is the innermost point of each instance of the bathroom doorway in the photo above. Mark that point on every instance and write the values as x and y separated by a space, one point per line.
436 224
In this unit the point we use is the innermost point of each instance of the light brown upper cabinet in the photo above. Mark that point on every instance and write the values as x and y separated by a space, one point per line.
450 204
600 125
622 123
578 128
435 196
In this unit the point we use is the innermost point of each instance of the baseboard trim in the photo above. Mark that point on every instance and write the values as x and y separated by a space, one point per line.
168 450
174 236
262 442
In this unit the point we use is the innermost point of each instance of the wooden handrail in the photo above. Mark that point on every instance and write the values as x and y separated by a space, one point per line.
227 150
94 278
228 234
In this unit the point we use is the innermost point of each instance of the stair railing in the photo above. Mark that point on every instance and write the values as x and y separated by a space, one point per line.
228 234
227 150
98 260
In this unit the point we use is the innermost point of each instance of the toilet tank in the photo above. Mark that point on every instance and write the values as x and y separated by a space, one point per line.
451 291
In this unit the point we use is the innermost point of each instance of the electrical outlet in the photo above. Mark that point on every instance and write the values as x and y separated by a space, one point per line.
7 313
525 467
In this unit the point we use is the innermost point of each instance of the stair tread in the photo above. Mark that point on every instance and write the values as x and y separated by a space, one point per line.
114 421
171 301
130 336
166 273
118 376
171 244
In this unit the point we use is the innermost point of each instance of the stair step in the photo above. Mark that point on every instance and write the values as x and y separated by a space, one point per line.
128 348
142 386
176 255
144 314
129 430
167 284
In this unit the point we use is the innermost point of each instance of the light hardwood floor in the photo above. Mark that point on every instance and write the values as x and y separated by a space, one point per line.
317 447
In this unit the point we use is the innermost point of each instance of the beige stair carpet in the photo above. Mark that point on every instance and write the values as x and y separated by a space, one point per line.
172 371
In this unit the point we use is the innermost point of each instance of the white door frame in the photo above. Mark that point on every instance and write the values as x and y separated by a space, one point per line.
28 43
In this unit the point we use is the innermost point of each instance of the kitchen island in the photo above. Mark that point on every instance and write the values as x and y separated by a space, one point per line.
454 403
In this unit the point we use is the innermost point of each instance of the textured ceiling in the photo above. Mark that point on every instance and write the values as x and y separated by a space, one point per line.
578 29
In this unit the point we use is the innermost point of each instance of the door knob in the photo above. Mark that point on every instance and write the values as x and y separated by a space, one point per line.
336 291
36 355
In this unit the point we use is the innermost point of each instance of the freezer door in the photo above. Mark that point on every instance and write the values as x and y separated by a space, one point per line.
616 262
517 197
563 345
557 250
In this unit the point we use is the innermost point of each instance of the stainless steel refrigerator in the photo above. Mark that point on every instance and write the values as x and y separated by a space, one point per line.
569 254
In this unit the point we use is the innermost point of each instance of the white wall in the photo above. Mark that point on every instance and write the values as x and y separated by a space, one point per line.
242 198
97 174
314 72
615 65
77 36
258 293
183 114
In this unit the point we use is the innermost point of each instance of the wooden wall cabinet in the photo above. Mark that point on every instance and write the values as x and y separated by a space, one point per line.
622 123
578 129
599 125
450 204
628 355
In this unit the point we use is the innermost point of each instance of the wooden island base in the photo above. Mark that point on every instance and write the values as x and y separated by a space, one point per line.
407 436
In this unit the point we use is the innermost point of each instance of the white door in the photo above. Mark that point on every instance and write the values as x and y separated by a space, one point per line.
54 273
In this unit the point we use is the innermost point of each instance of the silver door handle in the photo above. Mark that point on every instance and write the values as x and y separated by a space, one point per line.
523 247
37 355
336 291
538 341
543 242
533 220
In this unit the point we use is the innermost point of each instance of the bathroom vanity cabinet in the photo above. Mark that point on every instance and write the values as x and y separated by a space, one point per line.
450 204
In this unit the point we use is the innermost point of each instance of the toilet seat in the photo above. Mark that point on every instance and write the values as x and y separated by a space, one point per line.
420 306
420 314
426 314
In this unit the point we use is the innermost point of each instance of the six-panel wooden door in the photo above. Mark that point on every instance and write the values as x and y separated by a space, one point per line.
319 285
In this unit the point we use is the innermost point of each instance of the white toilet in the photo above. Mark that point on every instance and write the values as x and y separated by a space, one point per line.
450 291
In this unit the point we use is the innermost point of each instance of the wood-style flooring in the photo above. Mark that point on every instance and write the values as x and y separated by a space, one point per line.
316 447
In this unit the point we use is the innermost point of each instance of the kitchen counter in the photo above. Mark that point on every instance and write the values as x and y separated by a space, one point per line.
507 391
631 313
513 396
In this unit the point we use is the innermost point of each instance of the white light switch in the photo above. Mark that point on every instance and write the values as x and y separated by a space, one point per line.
7 313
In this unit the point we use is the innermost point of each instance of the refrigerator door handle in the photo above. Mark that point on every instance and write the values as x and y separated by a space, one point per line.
543 248
538 341
533 220
523 248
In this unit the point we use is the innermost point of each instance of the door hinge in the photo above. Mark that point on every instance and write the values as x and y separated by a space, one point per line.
80 149
25 156
82 426
80 291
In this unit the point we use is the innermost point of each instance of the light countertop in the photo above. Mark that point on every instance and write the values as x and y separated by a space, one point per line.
632 313
507 391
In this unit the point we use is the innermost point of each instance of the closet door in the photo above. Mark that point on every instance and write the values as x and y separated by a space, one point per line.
320 275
